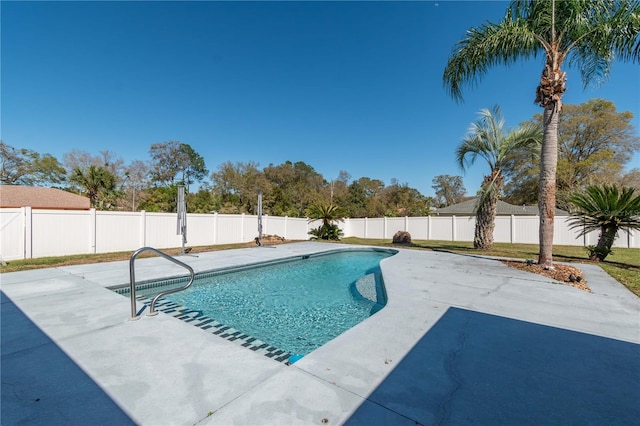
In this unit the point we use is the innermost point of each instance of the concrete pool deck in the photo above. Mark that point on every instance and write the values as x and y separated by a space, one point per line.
462 340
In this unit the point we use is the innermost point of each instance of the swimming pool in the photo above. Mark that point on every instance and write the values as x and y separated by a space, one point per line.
284 308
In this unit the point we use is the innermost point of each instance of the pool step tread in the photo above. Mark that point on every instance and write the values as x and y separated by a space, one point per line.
214 327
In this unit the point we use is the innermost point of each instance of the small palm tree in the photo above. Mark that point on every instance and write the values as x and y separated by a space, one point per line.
487 139
329 214
95 181
607 209
590 34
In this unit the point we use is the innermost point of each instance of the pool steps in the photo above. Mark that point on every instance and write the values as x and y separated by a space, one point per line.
370 287
219 329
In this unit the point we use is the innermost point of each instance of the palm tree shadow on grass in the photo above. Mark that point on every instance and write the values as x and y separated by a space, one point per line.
577 259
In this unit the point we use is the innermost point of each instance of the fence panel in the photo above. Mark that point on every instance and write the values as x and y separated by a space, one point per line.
12 229
418 228
563 235
354 227
160 230
394 224
464 228
200 229
502 231
289 228
61 233
128 229
30 233
272 225
441 228
229 229
297 229
375 228
250 227
627 239
525 229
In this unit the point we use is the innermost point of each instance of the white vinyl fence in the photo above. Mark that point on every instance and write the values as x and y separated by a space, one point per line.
508 229
27 233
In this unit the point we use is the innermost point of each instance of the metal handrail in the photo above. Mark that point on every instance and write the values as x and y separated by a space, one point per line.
132 278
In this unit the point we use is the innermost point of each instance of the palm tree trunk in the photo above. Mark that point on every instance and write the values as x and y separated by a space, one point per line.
547 188
487 210
605 242
485 222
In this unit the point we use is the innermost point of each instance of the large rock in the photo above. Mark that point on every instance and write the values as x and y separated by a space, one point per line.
402 237
270 239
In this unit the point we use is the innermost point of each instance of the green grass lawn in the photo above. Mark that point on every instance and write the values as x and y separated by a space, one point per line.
623 264
81 259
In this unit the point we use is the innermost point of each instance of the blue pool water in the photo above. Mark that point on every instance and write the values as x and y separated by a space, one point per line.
297 305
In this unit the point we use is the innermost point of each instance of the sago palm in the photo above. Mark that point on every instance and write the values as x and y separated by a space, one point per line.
607 209
487 139
588 34
328 214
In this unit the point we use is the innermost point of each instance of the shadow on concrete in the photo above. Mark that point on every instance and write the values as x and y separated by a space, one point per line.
475 368
41 385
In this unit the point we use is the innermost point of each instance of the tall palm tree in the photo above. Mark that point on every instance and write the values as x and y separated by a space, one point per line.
487 139
590 34
608 210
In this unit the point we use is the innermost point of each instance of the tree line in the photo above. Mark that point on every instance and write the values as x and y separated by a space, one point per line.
289 189
596 142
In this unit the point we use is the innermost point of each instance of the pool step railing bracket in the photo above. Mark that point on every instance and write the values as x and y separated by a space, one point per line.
132 281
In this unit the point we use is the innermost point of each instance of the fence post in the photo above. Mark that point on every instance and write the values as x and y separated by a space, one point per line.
143 228
513 228
286 219
265 224
366 225
215 228
384 228
242 227
93 229
453 228
428 228
27 213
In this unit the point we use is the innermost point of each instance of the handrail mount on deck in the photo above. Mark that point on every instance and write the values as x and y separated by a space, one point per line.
132 276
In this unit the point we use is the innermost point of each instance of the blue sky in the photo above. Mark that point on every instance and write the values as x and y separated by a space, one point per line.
354 86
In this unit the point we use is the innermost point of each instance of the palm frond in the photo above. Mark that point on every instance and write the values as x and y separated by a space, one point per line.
528 135
590 34
328 213
601 206
486 139
485 46
598 32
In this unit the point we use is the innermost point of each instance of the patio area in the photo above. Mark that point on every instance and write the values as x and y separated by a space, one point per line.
462 340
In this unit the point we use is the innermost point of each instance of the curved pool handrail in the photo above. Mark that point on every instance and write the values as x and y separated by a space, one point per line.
132 280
